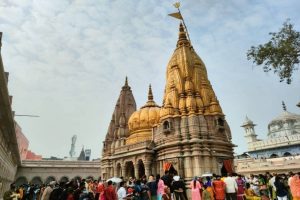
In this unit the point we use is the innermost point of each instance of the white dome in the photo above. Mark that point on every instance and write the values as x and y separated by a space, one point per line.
285 124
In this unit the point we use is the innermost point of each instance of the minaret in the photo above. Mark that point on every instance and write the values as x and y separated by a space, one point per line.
250 135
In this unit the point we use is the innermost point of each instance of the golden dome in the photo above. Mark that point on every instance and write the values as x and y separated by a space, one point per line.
141 121
188 90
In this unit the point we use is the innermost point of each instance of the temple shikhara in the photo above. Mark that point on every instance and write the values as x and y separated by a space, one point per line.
187 135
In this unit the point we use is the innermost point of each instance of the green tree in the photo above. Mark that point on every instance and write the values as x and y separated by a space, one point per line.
281 54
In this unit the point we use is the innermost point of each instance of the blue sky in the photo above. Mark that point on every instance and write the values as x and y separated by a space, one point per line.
68 60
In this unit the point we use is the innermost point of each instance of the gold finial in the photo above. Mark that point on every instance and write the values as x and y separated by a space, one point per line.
283 106
150 95
176 5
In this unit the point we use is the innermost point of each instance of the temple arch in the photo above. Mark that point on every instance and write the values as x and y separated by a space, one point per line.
274 155
141 169
21 180
90 178
49 179
36 180
286 154
77 178
129 169
64 179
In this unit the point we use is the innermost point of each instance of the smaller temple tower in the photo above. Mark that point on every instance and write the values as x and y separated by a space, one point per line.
250 135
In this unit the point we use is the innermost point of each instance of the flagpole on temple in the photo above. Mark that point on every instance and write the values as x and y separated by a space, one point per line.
177 5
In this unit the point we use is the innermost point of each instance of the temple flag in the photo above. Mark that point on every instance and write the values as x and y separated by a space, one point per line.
176 15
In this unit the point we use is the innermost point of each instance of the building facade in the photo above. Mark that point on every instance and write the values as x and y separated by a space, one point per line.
283 137
279 152
45 171
187 135
9 151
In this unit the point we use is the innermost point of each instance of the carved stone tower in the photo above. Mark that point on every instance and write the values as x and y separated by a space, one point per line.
192 134
118 127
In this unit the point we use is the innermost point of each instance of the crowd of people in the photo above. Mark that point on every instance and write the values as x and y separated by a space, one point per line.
232 187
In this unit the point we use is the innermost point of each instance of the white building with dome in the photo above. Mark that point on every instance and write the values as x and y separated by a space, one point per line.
283 137
280 152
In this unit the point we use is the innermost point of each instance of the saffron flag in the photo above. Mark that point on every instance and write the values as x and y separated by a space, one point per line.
177 15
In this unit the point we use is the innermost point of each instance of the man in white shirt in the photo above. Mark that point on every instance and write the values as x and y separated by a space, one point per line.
231 187
121 192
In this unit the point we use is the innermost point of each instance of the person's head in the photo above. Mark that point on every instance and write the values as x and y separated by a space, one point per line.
205 186
138 182
247 185
52 184
166 172
218 177
121 184
239 176
151 178
157 177
109 182
12 186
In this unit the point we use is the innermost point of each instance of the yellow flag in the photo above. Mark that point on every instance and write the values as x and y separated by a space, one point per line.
176 15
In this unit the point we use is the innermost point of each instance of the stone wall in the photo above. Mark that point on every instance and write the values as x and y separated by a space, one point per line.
58 170
249 166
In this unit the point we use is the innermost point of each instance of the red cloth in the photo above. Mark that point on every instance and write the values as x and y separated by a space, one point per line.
228 165
110 193
219 188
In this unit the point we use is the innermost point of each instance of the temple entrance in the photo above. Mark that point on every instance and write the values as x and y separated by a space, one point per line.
21 180
129 169
223 171
170 168
141 169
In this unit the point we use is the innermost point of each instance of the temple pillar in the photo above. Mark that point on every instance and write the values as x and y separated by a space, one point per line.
201 165
206 162
215 166
147 166
196 166
188 168
115 170
124 171
136 170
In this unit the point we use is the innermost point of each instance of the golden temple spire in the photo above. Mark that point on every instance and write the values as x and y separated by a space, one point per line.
150 94
182 39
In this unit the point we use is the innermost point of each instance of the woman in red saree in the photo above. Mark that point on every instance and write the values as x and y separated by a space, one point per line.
219 188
